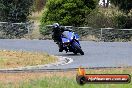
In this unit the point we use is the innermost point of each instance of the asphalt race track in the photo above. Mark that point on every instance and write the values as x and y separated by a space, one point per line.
97 54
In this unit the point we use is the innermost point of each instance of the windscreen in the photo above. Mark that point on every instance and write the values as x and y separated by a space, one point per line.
67 34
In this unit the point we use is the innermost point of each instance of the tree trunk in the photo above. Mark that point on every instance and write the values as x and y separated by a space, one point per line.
103 3
107 4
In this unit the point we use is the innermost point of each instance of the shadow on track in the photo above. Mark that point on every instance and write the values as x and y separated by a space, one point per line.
68 54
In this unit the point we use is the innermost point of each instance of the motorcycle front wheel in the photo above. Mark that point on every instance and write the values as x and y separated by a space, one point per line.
78 48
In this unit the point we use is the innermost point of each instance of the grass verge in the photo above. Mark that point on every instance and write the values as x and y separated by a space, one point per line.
14 59
58 79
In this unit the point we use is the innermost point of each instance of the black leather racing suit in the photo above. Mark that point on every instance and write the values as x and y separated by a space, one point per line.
56 36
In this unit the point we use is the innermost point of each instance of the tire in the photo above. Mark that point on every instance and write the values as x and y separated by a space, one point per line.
78 48
75 52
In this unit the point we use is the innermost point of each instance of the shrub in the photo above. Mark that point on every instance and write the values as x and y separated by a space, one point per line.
123 21
67 12
15 11
97 19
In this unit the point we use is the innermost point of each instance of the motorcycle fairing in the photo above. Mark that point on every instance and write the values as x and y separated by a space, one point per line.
65 40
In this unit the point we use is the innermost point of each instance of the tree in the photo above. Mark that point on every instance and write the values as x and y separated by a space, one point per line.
124 5
123 21
15 10
67 12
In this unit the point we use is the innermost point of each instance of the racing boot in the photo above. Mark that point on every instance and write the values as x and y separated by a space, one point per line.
60 47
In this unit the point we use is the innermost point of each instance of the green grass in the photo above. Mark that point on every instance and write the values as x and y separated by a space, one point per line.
63 82
69 81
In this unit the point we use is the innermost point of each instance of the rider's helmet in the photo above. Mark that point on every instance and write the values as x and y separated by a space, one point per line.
56 26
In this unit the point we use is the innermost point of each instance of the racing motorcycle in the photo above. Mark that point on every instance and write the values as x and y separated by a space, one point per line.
70 42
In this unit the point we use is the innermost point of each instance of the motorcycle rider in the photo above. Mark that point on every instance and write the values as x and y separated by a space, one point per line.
57 33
